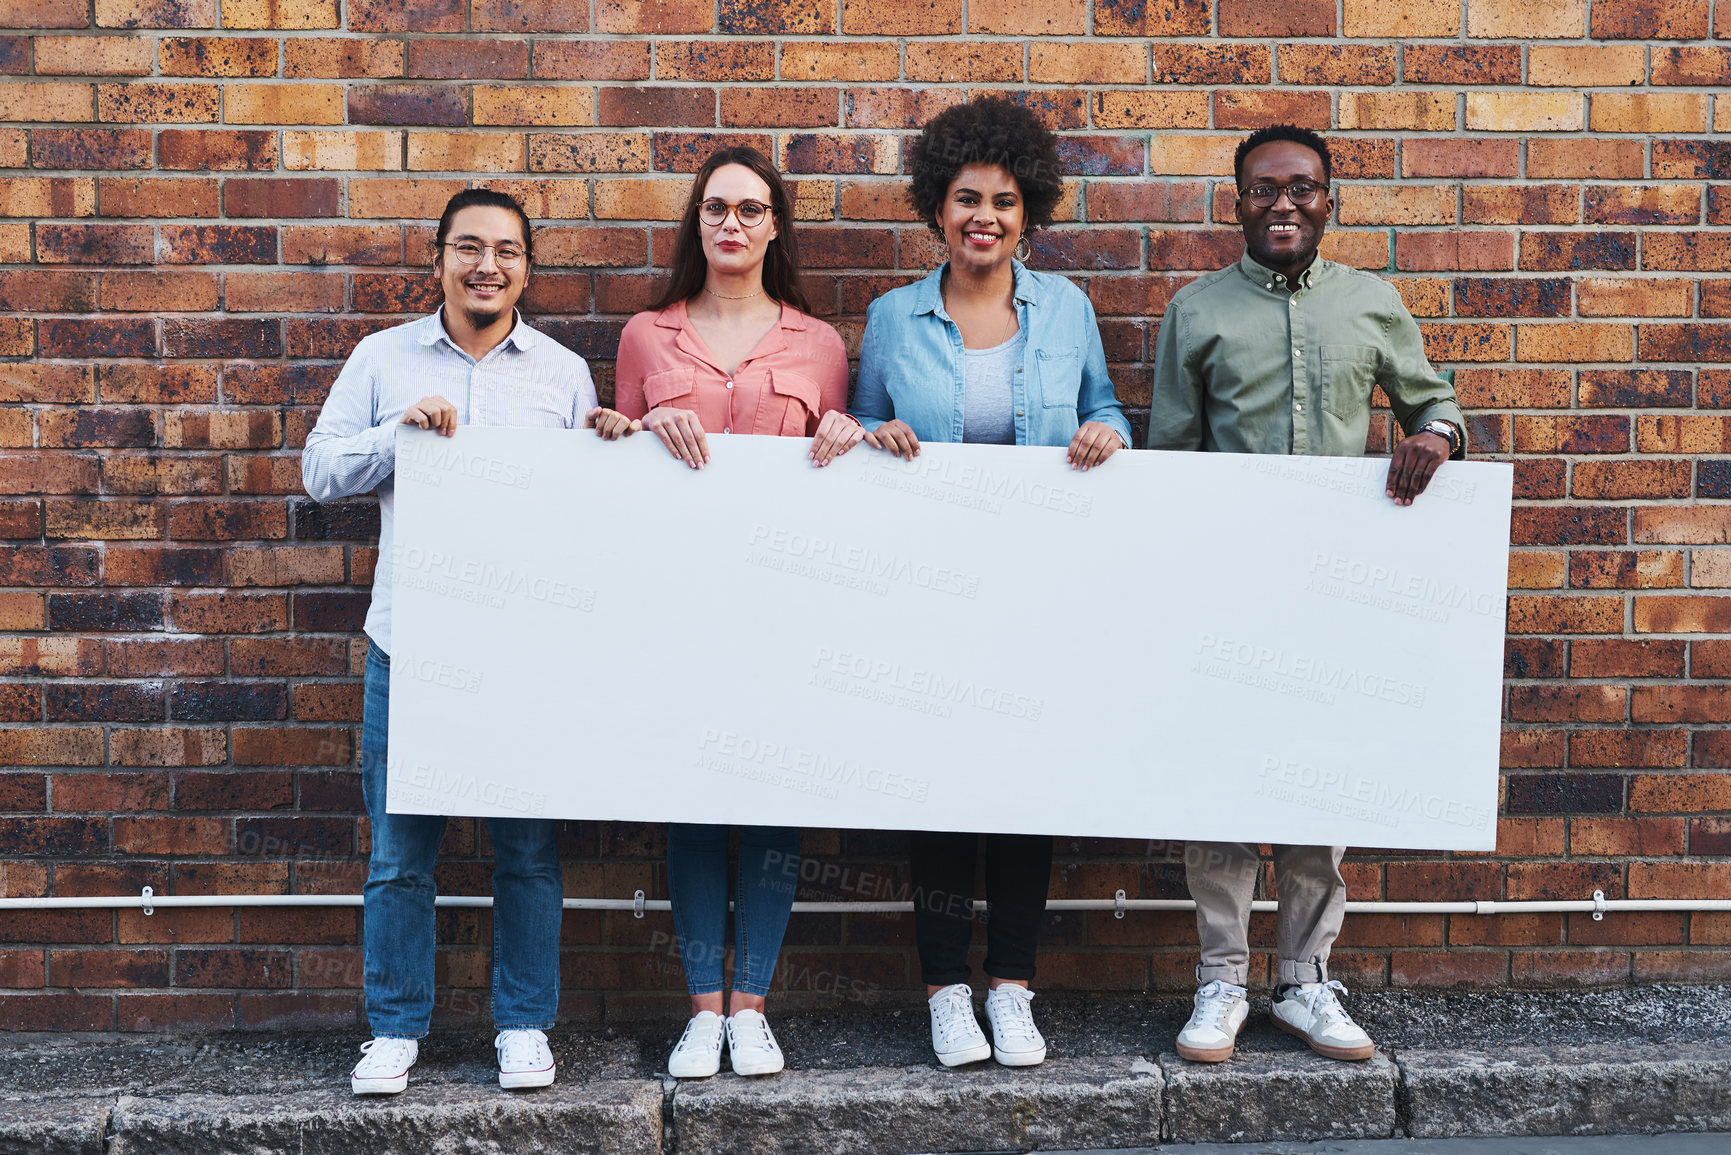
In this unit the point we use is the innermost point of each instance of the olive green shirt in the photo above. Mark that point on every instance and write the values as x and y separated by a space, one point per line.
1244 366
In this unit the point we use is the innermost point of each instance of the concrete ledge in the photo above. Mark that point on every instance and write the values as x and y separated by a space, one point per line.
1566 1090
1256 1098
867 1111
53 1126
611 1116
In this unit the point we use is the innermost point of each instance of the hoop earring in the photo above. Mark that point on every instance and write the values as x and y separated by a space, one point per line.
1019 253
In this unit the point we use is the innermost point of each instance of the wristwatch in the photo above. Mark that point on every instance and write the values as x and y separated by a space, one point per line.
1444 429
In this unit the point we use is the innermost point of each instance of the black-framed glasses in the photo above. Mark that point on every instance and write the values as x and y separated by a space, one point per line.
1299 192
508 255
750 213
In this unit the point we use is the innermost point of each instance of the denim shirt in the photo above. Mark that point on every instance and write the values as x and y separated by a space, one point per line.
911 363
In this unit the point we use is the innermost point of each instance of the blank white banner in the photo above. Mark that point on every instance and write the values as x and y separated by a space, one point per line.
1201 646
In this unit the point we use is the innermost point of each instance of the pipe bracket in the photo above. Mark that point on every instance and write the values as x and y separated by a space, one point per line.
144 900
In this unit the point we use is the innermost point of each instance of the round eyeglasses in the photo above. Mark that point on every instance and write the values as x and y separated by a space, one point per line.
750 213
1299 192
508 255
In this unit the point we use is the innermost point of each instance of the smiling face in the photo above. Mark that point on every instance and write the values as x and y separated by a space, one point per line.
982 217
483 291
730 246
1283 236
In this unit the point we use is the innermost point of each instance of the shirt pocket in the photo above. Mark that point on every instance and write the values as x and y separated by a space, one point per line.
1348 376
675 386
797 397
1060 376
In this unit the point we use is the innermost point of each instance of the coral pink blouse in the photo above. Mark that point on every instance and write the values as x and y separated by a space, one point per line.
783 387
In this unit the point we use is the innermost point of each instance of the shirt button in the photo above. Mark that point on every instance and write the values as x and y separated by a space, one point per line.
1018 413
730 384
727 430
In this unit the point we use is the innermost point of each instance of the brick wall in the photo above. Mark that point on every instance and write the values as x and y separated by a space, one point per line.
205 207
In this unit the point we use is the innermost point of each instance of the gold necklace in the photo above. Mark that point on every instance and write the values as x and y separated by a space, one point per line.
725 297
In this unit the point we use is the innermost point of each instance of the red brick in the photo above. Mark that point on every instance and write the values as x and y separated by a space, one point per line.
1588 158
1627 748
1423 157
1650 19
1112 17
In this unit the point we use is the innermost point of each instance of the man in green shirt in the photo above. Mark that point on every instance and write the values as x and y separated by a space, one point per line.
1279 353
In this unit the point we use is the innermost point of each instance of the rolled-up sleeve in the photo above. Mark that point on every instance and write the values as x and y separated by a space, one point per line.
1098 399
1175 408
871 398
347 453
1416 392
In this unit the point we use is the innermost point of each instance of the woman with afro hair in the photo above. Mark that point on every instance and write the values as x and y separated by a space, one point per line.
983 350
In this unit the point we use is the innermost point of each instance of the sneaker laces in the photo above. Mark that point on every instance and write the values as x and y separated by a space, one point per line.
1323 1005
955 1014
1215 1001
391 1052
1015 1019
520 1048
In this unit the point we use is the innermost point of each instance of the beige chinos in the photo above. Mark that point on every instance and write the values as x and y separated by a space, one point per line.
1222 878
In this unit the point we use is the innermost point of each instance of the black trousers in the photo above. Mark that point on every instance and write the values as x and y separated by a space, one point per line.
1018 869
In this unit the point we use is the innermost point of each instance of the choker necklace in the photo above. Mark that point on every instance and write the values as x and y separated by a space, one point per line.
725 297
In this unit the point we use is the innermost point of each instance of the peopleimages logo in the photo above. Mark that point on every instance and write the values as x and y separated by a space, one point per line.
474 580
429 786
971 486
1300 675
1360 796
867 565
777 764
1391 588
860 675
431 458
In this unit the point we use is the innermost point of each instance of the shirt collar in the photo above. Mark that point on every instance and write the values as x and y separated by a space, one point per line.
1269 279
522 337
676 317
929 298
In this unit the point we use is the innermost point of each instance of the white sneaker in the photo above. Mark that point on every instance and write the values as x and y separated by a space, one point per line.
1311 1012
697 1055
1212 1032
751 1045
384 1066
956 1034
1016 1041
525 1060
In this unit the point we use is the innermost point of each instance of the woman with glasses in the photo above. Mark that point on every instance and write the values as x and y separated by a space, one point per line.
730 347
982 350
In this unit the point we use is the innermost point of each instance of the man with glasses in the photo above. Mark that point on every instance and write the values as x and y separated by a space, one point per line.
472 362
1279 353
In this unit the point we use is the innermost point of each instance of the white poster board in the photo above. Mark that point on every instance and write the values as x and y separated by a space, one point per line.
1201 646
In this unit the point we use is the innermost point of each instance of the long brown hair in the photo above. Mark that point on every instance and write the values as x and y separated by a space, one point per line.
780 259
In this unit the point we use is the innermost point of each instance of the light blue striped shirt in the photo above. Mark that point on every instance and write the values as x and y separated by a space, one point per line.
528 379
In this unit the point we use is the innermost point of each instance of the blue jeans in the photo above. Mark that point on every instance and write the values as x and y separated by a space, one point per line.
764 881
397 952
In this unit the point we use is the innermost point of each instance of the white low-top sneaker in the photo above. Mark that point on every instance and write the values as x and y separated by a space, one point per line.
697 1055
956 1034
1016 1041
1313 1014
525 1060
751 1045
1212 1032
384 1066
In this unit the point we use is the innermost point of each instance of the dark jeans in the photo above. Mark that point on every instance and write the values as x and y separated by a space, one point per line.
1018 869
